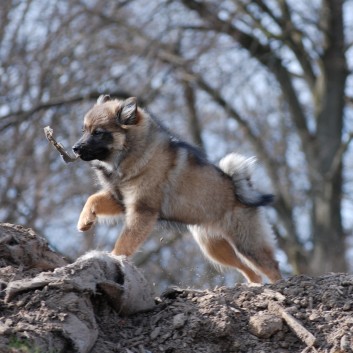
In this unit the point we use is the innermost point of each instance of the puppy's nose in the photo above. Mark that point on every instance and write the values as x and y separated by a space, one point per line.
76 148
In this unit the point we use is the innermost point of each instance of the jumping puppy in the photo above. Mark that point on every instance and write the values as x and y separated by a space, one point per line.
150 175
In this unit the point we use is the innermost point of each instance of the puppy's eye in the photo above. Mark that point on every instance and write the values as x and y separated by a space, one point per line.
97 132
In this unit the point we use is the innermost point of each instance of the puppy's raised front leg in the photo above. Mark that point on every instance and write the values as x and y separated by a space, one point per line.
99 204
137 227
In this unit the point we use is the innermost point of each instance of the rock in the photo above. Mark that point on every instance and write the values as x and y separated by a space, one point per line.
345 343
347 306
179 320
264 325
155 333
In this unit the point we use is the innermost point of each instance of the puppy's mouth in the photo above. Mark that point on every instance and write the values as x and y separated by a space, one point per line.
87 155
76 154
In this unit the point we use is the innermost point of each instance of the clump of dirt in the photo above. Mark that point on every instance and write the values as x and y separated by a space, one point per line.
299 314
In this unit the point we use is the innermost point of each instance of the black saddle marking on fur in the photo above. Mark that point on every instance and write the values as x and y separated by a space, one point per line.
195 155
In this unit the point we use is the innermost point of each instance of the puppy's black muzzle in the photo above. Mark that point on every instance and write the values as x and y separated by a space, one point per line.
81 150
92 148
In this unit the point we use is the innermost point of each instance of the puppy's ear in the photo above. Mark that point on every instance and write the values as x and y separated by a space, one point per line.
127 114
103 98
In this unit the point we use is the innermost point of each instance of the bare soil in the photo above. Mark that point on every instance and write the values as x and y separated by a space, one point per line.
299 314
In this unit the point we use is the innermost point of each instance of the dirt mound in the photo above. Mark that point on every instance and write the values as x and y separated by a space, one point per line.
300 314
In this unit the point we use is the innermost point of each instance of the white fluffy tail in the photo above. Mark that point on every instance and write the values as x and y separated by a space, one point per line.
240 168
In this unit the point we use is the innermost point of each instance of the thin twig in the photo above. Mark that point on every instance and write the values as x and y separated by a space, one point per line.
66 157
307 337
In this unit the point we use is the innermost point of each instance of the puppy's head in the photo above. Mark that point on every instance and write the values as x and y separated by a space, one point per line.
105 128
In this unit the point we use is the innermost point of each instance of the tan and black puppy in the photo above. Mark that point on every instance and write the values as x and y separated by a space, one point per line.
150 175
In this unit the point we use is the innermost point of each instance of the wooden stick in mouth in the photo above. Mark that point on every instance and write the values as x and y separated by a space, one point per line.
59 147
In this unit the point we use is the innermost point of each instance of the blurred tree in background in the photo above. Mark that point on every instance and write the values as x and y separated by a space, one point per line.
271 78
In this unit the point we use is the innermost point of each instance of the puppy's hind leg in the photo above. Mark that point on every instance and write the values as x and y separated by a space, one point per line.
251 236
98 205
219 251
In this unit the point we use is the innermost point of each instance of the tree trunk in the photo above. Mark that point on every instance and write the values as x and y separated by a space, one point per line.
328 235
329 242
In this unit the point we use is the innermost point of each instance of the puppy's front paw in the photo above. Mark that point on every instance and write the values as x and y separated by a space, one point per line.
84 227
86 220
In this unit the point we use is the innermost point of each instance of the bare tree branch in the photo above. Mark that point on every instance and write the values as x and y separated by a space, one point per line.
337 159
16 117
293 37
268 58
194 123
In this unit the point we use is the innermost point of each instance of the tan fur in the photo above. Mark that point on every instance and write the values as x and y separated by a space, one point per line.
220 251
100 204
149 175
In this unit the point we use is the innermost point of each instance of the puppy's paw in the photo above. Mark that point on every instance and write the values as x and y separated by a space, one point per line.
84 227
86 221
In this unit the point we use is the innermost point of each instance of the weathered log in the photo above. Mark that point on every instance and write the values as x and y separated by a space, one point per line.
96 272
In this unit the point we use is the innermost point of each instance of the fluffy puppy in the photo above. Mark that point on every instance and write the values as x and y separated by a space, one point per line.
150 175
